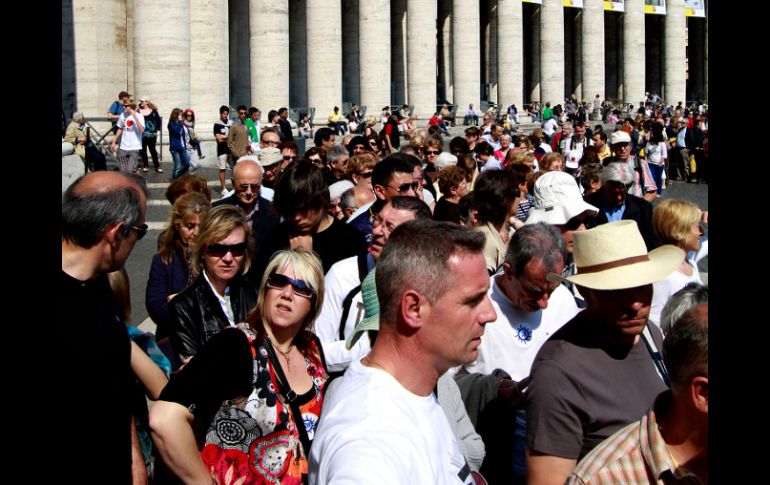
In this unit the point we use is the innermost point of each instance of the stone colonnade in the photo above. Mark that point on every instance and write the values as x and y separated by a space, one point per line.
321 53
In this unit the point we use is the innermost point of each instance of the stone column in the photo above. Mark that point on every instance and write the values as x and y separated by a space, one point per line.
421 56
492 50
399 71
510 54
676 50
633 52
552 52
374 21
445 48
324 57
577 53
240 62
593 49
98 57
466 65
351 52
612 40
297 54
209 63
269 54
533 59
162 58
569 53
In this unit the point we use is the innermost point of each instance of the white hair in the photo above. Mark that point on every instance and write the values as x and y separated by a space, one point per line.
444 160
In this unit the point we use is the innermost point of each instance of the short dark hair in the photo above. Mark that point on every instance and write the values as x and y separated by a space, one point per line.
493 195
416 256
241 107
483 148
323 134
686 347
282 110
252 110
383 172
301 186
224 109
86 215
412 204
539 241
459 144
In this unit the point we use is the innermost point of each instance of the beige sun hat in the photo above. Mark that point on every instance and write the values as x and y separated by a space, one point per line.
613 256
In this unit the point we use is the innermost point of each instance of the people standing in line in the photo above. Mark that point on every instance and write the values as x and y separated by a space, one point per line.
258 388
150 133
129 135
103 216
177 143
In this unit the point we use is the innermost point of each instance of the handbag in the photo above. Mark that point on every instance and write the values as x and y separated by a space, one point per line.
693 164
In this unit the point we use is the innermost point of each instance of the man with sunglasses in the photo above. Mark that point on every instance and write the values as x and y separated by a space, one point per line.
247 195
103 216
529 309
238 136
390 178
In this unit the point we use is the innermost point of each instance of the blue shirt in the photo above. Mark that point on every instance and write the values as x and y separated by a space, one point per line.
615 213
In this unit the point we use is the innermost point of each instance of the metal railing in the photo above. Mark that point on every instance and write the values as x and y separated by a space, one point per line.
101 142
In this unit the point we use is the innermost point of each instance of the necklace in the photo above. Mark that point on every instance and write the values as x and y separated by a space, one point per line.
285 354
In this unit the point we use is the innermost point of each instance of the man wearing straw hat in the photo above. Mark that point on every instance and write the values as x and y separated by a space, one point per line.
601 370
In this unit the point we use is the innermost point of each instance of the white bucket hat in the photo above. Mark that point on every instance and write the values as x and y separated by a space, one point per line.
613 256
557 199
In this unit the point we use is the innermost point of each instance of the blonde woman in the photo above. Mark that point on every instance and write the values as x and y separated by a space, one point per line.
262 384
677 222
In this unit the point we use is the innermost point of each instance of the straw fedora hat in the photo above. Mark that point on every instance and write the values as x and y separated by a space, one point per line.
613 257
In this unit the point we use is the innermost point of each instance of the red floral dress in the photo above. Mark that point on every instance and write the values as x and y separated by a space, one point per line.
254 440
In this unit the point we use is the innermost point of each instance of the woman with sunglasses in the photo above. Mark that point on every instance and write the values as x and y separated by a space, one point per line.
220 296
359 170
171 272
258 388
189 122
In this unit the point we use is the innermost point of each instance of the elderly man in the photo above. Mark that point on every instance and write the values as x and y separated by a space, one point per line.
557 201
76 134
599 372
342 307
615 203
383 420
643 184
529 310
271 161
247 182
670 443
103 216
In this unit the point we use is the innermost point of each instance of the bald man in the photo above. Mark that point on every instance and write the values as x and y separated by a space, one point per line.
103 216
247 186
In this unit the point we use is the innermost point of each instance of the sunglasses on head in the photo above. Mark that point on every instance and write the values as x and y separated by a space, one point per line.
279 281
220 250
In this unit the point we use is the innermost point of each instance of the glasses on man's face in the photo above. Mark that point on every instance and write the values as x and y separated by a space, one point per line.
220 250
404 188
241 113
289 157
432 152
246 187
316 160
279 281
140 230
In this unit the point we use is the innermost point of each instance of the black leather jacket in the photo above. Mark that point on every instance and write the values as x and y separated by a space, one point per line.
195 314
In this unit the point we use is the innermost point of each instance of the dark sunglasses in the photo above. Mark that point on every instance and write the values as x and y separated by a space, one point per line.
279 281
289 157
403 188
220 250
432 152
366 175
140 230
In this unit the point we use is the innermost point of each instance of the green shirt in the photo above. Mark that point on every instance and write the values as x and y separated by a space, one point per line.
253 132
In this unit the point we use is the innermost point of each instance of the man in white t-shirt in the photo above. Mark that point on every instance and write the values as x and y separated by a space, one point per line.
529 310
129 134
383 423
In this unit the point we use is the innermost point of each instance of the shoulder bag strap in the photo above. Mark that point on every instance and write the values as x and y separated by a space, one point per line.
290 396
657 359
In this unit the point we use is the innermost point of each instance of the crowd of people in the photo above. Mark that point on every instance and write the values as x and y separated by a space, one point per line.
386 310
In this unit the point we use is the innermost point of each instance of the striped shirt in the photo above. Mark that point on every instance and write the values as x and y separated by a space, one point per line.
634 454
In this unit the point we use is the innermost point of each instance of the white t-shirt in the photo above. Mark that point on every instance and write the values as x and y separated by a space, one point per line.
663 290
374 431
131 138
656 153
512 341
341 278
550 127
